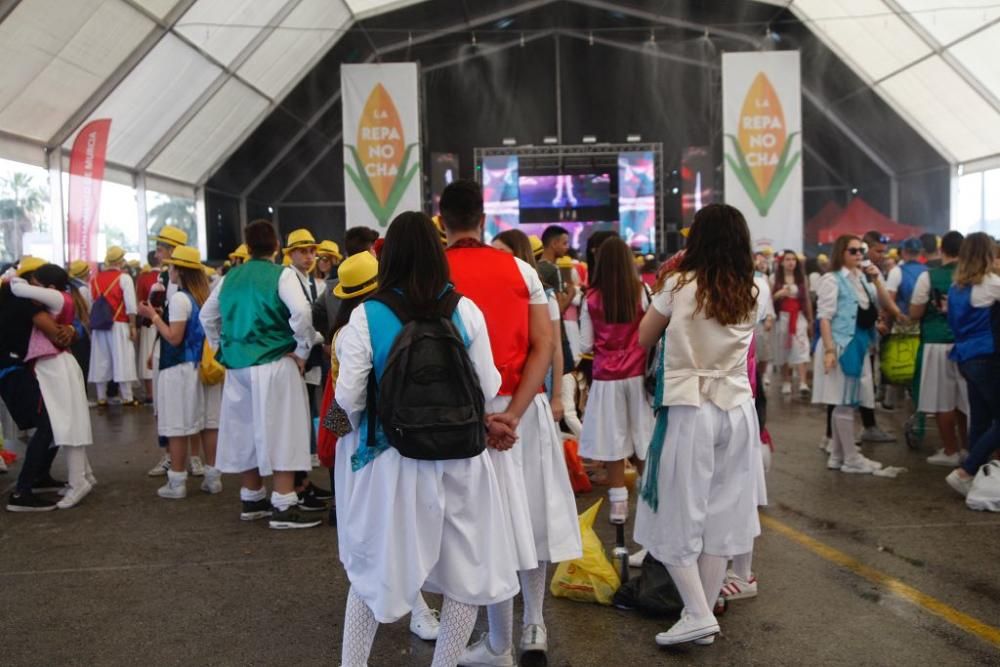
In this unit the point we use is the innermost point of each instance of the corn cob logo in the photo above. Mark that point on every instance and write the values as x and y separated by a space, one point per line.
381 171
761 155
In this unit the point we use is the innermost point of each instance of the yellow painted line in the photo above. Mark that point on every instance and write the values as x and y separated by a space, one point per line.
946 612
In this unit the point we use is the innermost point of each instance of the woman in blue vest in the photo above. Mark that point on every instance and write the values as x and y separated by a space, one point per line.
405 524
842 371
974 316
180 396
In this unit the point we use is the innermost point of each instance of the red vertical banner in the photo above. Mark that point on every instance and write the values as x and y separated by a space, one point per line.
86 171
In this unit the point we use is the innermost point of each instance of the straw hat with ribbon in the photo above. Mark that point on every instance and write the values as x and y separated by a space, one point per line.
171 236
114 255
536 246
79 269
358 275
564 262
29 264
241 252
298 239
186 257
329 249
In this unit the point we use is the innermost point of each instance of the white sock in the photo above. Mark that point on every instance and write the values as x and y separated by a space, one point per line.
533 593
102 390
282 501
125 391
252 495
688 582
501 619
360 627
741 565
177 478
712 570
618 494
843 434
76 463
212 471
457 621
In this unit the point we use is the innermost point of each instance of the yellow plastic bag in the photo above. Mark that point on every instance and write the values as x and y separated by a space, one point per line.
209 370
899 358
590 578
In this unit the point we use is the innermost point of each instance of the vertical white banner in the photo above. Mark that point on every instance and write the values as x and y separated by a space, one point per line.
762 135
381 142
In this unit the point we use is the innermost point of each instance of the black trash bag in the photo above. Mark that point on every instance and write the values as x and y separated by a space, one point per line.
652 593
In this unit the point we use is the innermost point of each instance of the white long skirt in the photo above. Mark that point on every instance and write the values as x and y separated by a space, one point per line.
213 404
65 395
618 422
709 477
264 423
942 387
404 525
534 484
112 355
147 338
828 388
788 349
180 401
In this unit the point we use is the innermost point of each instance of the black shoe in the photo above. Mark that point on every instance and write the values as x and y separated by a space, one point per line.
293 517
333 517
256 509
28 502
310 502
47 485
318 493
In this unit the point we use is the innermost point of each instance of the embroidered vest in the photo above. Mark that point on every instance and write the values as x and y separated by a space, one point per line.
977 330
934 327
845 320
617 354
911 272
39 346
255 329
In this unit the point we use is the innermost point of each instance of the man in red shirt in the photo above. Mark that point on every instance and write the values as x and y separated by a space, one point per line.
147 334
533 472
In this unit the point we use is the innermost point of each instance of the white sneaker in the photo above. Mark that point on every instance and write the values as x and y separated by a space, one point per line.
74 496
786 390
861 466
481 655
825 443
315 461
635 560
834 463
738 588
875 434
426 624
767 382
161 468
705 641
804 390
961 485
688 629
176 486
212 483
942 458
534 639
196 467
619 511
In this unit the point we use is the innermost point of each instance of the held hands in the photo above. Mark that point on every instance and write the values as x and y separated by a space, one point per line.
299 361
65 336
501 431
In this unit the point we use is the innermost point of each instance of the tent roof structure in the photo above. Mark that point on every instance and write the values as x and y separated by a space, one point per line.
859 218
187 82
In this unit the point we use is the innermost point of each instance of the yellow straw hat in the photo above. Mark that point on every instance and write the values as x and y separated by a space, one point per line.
439 225
300 238
686 232
134 263
209 271
331 249
241 252
286 260
822 257
171 236
358 275
114 255
146 268
185 256
29 264
536 245
78 269
565 262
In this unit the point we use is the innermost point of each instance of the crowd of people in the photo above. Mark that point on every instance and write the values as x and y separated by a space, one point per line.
436 378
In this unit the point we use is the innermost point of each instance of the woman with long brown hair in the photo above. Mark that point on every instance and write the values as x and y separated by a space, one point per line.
699 497
791 335
974 317
184 406
619 420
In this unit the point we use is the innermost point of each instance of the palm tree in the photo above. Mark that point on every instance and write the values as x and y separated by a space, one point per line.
175 211
21 210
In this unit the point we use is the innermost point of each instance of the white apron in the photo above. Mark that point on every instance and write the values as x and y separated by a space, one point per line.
65 395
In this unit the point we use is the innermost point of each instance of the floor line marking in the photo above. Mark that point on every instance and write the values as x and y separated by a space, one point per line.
946 612
161 565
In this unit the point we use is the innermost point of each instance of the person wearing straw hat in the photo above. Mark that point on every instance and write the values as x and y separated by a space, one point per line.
79 279
21 393
147 333
260 320
239 255
184 407
112 351
327 258
301 251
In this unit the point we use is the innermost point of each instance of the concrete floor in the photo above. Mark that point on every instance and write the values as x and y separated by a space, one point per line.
129 578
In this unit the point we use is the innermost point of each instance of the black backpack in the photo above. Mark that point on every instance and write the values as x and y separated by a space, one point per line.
428 399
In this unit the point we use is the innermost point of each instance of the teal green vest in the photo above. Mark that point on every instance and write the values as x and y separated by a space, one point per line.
934 327
255 328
